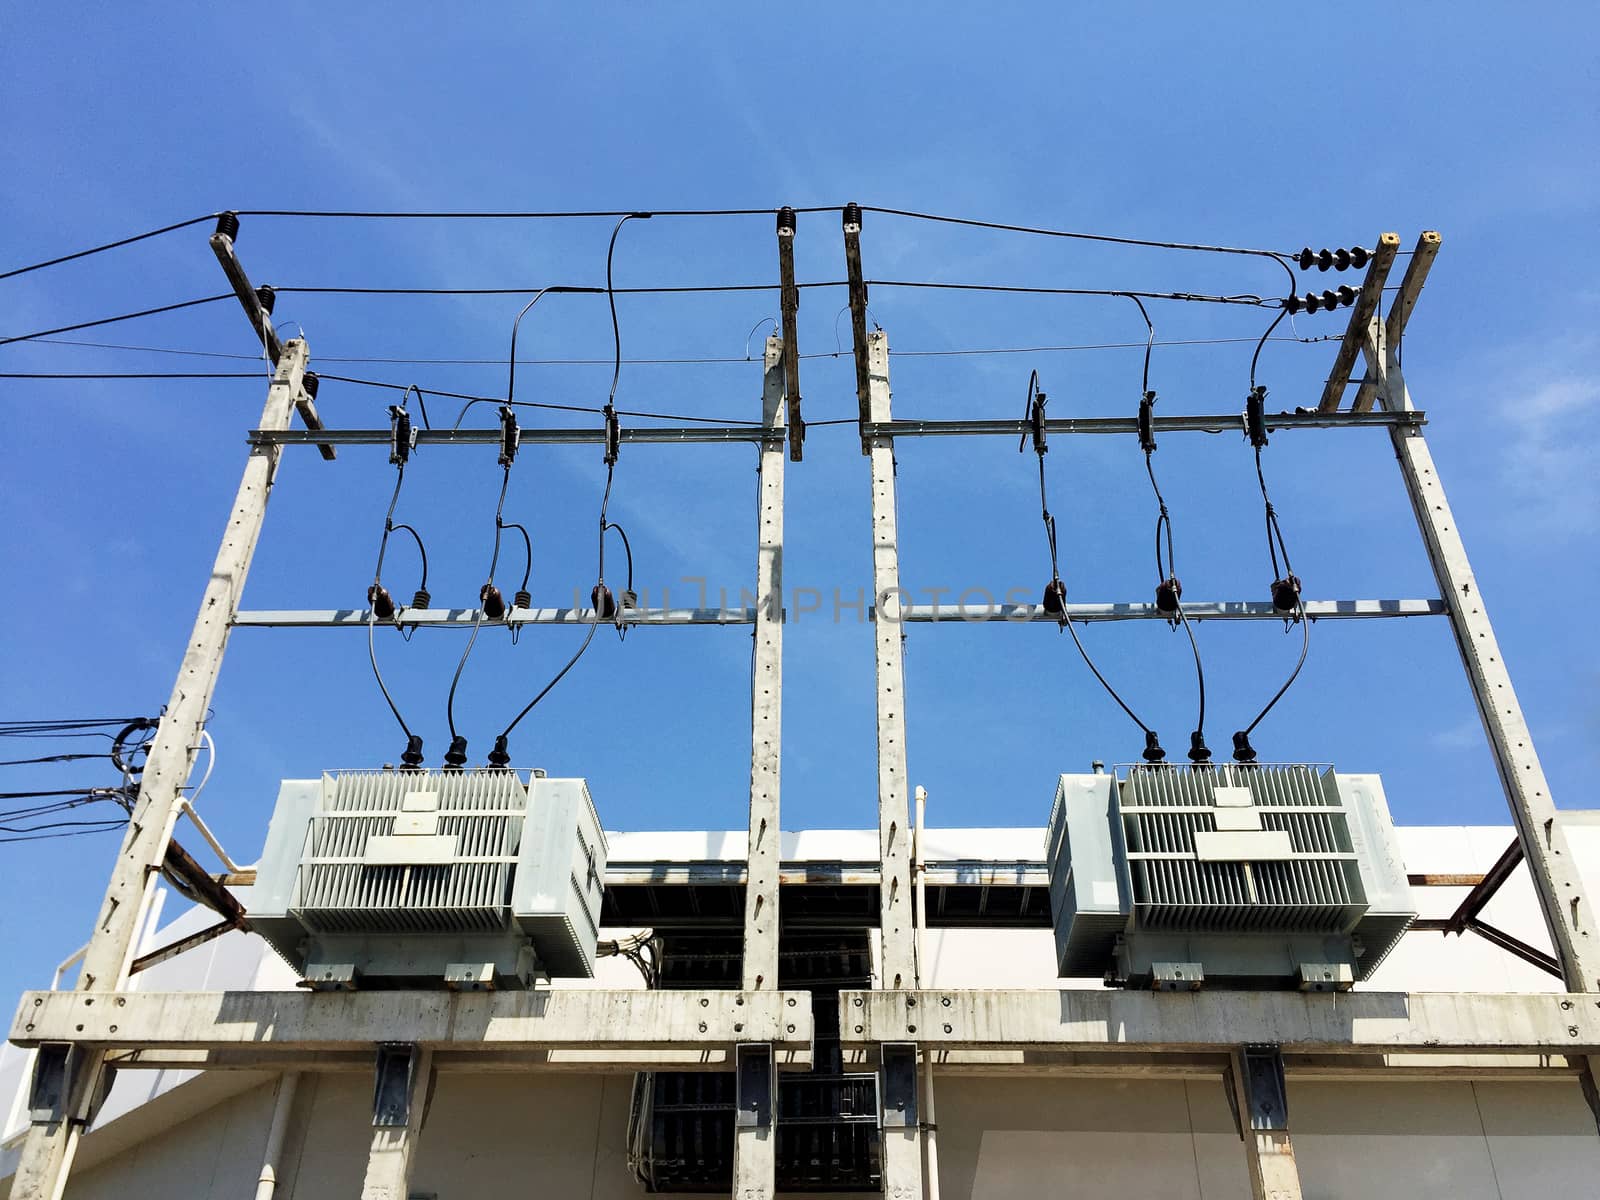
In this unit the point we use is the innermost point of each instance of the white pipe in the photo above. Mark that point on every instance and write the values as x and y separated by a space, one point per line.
930 1123
267 1184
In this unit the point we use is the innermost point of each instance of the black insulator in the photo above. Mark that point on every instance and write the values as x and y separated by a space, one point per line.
630 599
510 435
1324 259
1305 258
613 436
311 382
605 604
1359 256
785 220
852 215
493 603
500 756
1243 751
1147 430
381 601
1167 593
1347 294
456 757
1255 416
266 297
1153 753
1286 593
1312 303
1330 299
523 599
422 599
412 758
400 436
1294 304
1041 441
1055 598
1341 260
1199 752
228 225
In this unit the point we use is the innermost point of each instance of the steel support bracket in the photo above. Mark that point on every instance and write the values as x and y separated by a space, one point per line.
756 1085
393 1084
1266 1095
58 1079
897 1086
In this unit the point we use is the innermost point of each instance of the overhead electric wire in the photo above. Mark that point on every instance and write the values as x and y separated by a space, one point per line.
391 215
49 758
471 400
520 216
127 241
679 289
709 360
1276 530
1275 544
1035 409
1195 297
1257 355
43 726
1167 577
605 499
105 827
477 623
144 312
372 610
1280 258
130 374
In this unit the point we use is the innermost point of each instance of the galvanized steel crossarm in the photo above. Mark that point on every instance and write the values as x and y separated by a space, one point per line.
1206 423
673 434
466 618
1199 610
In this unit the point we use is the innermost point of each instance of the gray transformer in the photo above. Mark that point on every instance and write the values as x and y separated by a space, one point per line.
1254 875
466 879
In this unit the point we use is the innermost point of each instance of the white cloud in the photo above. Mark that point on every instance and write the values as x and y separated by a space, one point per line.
1551 453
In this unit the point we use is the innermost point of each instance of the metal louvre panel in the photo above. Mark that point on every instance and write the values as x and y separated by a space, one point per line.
340 893
1318 890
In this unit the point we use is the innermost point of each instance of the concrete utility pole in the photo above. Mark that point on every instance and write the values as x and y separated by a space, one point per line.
1568 913
902 1145
755 1162
47 1152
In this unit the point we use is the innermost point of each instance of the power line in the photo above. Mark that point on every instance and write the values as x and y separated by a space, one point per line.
1064 233
144 312
314 213
688 361
50 726
528 291
1193 297
377 383
521 216
48 758
127 241
130 375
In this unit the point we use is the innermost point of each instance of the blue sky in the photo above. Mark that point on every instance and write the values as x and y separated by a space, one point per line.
1228 124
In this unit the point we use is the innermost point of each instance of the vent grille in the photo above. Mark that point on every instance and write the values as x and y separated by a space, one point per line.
481 812
1317 889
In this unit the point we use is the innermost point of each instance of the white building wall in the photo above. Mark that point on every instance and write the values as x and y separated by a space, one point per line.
1000 1138
167 1134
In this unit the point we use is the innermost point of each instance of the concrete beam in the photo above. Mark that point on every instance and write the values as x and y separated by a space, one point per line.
580 1018
1320 1023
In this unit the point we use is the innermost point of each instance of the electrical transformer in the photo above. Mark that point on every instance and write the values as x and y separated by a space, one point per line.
1234 875
463 879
